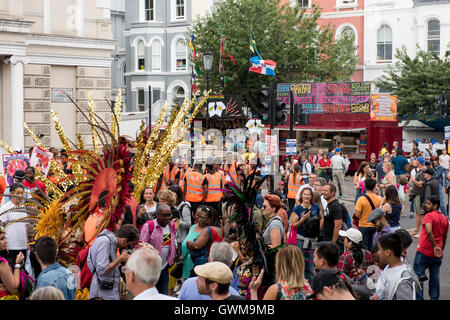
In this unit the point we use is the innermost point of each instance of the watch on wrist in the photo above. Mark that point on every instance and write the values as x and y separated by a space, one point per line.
17 266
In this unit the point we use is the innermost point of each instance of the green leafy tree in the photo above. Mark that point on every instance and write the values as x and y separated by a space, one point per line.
303 50
417 82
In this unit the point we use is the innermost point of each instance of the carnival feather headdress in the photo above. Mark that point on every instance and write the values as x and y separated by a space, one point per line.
243 200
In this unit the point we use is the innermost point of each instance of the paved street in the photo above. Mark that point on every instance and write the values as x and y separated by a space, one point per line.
407 224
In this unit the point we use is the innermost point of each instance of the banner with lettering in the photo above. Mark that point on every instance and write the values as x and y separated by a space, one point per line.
329 97
383 108
225 106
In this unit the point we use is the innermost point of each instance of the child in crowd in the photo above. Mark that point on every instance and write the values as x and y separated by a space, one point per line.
406 242
402 188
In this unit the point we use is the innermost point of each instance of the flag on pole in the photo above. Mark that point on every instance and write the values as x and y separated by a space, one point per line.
259 65
194 83
196 65
223 54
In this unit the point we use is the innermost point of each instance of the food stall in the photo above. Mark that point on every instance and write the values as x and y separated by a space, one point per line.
340 112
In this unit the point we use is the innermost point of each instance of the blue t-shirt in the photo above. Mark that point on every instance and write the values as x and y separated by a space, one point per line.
379 171
399 163
189 291
315 210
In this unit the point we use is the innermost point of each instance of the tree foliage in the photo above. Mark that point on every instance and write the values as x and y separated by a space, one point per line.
303 50
417 81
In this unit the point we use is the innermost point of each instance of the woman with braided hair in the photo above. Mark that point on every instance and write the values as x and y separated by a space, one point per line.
355 260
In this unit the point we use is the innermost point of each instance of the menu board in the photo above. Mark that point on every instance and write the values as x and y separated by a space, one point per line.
384 108
329 97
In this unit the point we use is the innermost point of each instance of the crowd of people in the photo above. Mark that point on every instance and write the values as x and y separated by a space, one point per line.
181 239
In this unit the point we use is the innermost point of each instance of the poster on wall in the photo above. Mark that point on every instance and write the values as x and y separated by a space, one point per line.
225 106
327 97
41 159
13 162
383 108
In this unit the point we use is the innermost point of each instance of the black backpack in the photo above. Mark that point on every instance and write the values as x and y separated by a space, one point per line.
311 226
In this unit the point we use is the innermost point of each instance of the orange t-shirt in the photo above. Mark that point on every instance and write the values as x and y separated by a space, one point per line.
363 206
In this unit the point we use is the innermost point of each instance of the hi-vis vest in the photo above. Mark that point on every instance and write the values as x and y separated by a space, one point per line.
294 186
194 191
183 174
232 170
214 194
171 174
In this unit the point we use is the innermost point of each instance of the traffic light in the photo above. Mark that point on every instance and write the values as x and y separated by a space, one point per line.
280 113
263 106
300 117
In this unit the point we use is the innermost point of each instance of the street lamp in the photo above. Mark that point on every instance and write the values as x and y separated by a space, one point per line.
207 63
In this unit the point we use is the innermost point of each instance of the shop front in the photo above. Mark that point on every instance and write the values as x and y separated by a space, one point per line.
339 113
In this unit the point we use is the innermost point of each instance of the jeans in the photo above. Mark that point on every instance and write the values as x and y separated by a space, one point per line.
163 283
433 264
308 255
445 178
259 201
442 207
367 233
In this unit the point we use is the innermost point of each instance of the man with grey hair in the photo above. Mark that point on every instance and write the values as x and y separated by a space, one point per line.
220 252
142 273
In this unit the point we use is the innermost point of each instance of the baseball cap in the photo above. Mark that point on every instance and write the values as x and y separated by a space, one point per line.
353 234
338 149
429 171
215 271
376 214
421 160
324 278
19 174
281 183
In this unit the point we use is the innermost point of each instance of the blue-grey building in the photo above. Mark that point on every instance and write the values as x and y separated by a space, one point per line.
157 53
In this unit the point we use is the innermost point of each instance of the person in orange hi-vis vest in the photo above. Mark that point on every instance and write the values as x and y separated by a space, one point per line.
194 189
172 172
295 180
184 170
231 167
212 182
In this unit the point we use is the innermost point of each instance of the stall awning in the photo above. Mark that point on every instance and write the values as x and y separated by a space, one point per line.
325 129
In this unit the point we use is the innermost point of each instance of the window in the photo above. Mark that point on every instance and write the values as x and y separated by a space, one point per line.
384 43
347 32
179 95
141 56
141 100
180 53
156 55
156 95
179 9
434 33
301 3
149 10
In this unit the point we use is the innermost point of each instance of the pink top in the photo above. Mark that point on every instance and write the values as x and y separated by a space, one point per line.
156 238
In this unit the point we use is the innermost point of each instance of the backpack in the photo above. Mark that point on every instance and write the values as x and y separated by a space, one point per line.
85 273
346 219
311 227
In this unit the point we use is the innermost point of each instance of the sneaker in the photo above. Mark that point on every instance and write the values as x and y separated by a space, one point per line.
411 215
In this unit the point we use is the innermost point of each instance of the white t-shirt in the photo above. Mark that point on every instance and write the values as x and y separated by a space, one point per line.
151 210
338 162
16 233
384 283
443 160
165 246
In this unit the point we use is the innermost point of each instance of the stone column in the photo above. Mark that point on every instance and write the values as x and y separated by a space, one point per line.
17 129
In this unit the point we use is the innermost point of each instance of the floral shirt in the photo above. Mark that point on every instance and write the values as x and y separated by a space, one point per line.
286 292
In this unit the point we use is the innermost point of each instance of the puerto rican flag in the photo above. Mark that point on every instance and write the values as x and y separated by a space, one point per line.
266 67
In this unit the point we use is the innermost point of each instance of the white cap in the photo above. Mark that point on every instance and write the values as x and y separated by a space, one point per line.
353 234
